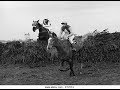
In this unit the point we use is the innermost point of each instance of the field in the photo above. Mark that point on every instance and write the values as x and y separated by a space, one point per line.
50 75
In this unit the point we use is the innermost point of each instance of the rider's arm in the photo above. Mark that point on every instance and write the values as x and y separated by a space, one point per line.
71 33
61 33
70 30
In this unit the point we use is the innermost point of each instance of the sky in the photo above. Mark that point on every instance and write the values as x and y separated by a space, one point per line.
16 17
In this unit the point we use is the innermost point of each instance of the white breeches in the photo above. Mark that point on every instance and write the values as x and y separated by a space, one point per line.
68 36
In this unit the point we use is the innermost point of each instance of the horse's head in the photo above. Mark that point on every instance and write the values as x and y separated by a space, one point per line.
36 25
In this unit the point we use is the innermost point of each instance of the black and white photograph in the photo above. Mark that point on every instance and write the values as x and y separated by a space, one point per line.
59 44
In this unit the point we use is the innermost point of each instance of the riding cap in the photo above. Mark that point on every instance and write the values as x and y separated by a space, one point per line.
64 23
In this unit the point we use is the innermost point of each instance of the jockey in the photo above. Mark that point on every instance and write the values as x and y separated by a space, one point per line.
66 29
47 24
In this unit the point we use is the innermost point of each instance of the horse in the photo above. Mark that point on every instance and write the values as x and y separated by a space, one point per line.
77 43
44 33
65 52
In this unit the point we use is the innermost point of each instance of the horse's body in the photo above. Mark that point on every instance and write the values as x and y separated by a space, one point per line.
65 52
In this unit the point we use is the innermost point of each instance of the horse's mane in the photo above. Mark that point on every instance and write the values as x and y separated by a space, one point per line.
42 27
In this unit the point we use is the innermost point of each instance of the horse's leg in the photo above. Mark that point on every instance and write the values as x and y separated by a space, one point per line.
62 63
71 68
81 67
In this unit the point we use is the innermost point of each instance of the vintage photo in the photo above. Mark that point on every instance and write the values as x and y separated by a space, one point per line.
60 43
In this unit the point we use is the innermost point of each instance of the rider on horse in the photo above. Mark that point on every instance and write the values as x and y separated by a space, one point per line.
66 29
44 29
47 24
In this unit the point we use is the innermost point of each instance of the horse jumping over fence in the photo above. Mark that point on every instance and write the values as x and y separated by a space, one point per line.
44 33
65 52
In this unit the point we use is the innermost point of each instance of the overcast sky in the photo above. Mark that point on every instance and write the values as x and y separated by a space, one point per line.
16 17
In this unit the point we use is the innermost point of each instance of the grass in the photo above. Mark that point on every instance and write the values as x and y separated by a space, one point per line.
50 75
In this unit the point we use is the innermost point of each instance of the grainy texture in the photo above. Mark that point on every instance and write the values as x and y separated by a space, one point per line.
28 63
50 75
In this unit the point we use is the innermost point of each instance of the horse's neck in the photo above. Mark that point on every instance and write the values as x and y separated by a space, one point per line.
41 28
67 43
60 47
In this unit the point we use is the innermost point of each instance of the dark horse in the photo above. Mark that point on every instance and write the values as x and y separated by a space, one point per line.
65 52
44 33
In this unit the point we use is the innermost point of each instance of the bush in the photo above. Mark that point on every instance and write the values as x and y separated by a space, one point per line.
103 47
29 53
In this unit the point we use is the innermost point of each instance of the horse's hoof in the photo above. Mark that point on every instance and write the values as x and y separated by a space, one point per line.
64 69
72 74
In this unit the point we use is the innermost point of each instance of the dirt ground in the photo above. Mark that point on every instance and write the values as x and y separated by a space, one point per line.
50 75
